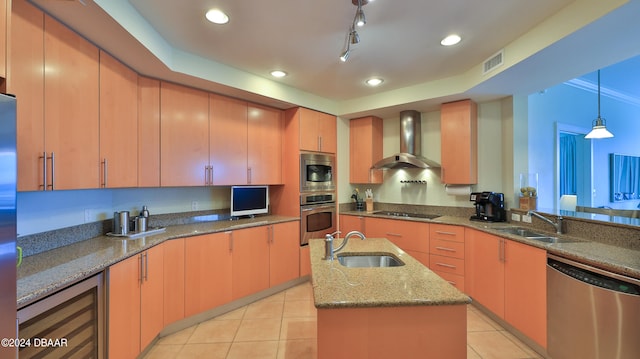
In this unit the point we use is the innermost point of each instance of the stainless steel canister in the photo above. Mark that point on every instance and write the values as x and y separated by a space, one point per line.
141 224
121 222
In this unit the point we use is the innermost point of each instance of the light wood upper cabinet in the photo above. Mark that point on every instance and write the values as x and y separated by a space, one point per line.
118 123
228 137
26 81
317 131
365 149
4 31
71 107
148 132
264 145
184 135
459 142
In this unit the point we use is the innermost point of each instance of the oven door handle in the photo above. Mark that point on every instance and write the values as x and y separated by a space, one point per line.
316 208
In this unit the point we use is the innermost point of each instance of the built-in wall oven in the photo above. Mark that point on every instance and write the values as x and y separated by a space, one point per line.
317 215
317 172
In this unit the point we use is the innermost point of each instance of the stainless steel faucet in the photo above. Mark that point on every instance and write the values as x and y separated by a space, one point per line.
328 243
557 225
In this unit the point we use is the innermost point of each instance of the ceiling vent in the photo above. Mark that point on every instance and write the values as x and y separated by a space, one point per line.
494 61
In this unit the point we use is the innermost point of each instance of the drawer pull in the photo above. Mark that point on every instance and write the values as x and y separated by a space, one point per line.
445 249
446 265
452 283
394 234
446 233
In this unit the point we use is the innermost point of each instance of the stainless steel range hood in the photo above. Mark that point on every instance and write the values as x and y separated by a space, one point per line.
410 145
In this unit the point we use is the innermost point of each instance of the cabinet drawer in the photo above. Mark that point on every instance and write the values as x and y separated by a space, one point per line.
447 264
454 279
447 248
446 232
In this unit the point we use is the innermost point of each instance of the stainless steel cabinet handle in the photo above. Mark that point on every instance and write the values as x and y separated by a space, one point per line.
394 234
249 175
146 266
230 241
206 175
446 265
53 171
446 233
140 269
445 249
104 171
44 171
211 175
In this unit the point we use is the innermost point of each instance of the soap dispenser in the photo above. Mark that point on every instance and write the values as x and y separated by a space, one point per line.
145 212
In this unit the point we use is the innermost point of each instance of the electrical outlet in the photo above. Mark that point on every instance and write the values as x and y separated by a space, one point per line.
515 217
526 218
88 215
194 205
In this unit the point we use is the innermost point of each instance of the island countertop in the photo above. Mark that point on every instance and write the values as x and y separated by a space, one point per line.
413 284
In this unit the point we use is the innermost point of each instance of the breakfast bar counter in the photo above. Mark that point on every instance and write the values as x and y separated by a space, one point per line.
404 311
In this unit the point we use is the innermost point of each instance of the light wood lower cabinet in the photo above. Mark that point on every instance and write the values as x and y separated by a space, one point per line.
352 223
446 248
135 293
207 280
250 258
411 237
508 278
174 280
284 253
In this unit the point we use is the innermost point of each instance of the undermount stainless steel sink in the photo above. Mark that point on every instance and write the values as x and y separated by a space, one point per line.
528 234
369 260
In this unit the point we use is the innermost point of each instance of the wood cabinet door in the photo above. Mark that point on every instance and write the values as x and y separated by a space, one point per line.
184 136
264 145
207 280
26 81
305 261
124 308
250 271
351 223
365 149
228 140
284 253
152 295
459 142
174 278
308 125
327 128
71 107
484 270
148 132
118 123
526 290
407 235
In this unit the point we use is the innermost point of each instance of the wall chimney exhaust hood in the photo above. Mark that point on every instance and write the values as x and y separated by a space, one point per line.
410 145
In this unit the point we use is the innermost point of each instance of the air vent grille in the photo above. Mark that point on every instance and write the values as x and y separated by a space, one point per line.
494 61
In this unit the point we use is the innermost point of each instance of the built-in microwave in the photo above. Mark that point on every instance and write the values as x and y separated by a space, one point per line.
317 172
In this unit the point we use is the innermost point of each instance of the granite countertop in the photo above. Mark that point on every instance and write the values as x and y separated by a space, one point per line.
337 286
617 259
47 272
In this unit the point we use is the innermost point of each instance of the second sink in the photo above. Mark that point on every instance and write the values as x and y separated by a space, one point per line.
369 260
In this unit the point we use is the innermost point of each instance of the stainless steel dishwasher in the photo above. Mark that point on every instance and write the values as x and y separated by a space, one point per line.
591 313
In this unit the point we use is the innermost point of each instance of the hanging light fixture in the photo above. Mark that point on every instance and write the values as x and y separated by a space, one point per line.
358 20
599 129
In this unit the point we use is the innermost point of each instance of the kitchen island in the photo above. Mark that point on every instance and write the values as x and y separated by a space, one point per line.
389 312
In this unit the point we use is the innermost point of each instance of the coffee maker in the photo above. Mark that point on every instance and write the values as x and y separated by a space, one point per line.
489 206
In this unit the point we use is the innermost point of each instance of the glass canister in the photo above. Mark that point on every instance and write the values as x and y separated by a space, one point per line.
528 191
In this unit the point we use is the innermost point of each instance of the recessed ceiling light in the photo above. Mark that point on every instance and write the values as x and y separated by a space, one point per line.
450 40
217 16
278 73
375 81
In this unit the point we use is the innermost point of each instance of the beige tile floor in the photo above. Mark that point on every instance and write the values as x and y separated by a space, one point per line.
283 326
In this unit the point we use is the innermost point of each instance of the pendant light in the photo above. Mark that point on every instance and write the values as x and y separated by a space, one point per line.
599 129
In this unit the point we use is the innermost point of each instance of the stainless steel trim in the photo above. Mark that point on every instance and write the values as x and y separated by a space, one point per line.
317 159
594 269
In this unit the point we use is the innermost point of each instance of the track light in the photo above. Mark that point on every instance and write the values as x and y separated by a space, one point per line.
358 20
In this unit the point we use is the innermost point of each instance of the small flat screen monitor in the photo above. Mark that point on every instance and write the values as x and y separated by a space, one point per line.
249 200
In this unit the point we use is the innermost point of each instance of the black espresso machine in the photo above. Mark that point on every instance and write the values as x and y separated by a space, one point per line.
489 206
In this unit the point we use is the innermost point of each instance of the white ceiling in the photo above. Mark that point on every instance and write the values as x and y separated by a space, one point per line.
546 42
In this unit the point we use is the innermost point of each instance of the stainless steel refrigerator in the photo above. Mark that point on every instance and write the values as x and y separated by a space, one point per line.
8 176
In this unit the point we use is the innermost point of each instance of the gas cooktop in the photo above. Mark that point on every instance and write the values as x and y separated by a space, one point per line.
407 214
